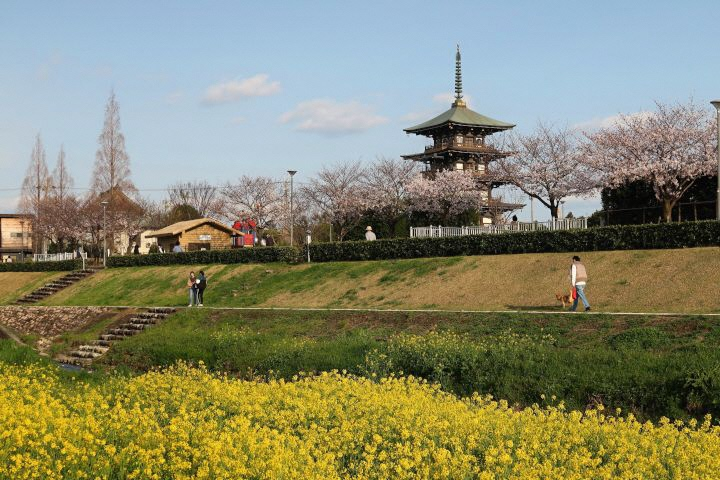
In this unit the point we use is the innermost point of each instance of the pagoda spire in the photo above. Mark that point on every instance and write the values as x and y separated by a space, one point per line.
459 102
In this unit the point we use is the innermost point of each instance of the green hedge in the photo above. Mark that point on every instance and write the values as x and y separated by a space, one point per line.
622 237
61 266
240 255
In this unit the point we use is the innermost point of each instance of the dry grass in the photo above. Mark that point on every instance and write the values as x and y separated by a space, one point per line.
14 285
684 280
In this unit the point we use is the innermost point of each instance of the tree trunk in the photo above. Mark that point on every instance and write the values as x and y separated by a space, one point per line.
554 211
668 205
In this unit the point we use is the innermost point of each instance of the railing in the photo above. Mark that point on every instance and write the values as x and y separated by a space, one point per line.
439 231
57 257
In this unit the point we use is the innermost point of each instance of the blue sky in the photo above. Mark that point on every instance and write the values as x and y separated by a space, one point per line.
213 90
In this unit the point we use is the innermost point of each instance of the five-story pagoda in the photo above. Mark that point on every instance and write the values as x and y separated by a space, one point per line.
458 143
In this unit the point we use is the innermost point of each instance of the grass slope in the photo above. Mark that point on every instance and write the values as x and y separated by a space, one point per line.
634 281
14 285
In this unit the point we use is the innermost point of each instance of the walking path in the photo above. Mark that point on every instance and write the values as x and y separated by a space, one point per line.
430 310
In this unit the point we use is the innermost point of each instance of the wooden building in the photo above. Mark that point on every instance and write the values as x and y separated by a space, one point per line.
198 234
458 138
15 236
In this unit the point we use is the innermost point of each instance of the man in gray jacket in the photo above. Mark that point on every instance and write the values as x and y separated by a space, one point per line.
578 278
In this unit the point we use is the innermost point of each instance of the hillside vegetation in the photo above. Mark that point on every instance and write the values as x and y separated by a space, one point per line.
632 281
14 285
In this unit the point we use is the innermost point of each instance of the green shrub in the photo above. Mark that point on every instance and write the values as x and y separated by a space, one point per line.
240 255
639 338
61 266
521 368
623 237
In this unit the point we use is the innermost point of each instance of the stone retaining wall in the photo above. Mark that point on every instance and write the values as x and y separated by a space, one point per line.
50 321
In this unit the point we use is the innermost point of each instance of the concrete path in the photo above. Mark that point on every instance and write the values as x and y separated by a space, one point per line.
422 310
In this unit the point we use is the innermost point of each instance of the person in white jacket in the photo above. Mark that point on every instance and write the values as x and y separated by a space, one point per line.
578 279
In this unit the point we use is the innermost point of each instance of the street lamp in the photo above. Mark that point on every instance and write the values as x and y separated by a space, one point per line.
716 104
292 219
104 204
22 239
308 239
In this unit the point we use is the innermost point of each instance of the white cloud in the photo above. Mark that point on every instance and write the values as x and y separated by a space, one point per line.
233 90
237 120
606 122
329 117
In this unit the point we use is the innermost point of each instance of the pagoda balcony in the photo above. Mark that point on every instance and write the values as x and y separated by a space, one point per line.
457 147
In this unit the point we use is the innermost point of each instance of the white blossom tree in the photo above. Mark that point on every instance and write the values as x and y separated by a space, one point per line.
448 194
669 148
338 195
546 165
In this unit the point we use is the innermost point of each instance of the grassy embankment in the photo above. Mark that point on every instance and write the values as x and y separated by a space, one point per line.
634 281
14 285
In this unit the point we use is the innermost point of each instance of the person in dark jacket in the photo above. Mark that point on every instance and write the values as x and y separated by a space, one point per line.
201 286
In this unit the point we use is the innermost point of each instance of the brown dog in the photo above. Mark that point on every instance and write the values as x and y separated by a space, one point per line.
563 299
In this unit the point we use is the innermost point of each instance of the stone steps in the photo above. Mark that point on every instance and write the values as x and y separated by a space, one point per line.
54 286
134 324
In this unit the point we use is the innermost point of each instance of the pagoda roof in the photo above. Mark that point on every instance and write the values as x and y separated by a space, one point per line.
459 114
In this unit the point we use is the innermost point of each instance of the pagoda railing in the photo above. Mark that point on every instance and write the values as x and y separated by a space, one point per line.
462 147
440 231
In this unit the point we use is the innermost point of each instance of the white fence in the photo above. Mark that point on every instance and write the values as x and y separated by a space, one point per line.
438 231
56 257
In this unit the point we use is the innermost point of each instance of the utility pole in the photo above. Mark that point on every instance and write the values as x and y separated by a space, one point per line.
104 204
716 104
292 218
532 210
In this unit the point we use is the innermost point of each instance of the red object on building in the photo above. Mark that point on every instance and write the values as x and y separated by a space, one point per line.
249 227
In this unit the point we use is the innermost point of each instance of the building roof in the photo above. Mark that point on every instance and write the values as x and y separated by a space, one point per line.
180 227
459 114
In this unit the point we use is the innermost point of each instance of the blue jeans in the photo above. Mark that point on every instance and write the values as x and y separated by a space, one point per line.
580 295
192 294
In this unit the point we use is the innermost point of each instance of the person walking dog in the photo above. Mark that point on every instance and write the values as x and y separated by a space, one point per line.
201 286
192 289
578 279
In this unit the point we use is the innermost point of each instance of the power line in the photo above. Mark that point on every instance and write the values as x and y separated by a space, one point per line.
167 189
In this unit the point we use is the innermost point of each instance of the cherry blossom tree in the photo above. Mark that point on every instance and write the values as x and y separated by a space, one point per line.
259 198
338 195
385 185
448 194
669 148
546 165
62 205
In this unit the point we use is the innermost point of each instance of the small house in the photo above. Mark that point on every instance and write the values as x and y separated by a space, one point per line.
15 236
193 235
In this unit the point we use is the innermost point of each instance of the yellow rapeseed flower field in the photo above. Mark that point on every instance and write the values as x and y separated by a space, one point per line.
185 423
